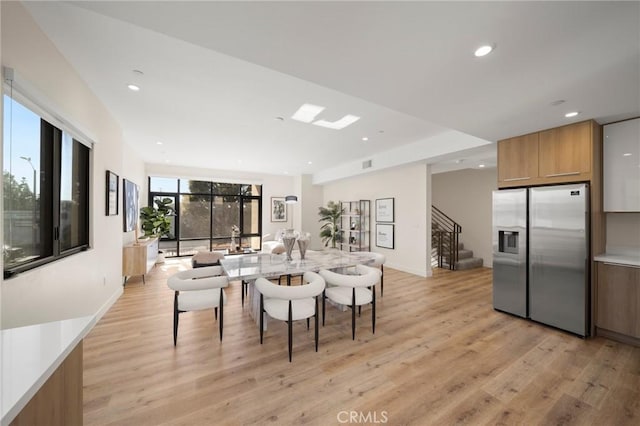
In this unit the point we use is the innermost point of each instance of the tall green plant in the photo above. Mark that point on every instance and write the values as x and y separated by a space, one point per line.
157 221
330 230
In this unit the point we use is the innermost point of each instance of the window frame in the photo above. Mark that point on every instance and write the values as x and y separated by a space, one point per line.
50 195
211 239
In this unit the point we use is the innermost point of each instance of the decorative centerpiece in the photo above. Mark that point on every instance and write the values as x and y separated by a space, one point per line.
235 233
303 243
289 240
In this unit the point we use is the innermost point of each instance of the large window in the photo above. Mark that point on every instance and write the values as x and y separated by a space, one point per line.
206 212
46 190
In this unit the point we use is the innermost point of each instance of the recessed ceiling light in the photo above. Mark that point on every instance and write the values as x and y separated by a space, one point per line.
138 72
626 154
158 143
571 114
481 165
166 161
365 138
345 121
133 87
307 113
310 162
483 50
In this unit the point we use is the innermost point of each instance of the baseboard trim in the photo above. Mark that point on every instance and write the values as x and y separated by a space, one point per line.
622 338
109 303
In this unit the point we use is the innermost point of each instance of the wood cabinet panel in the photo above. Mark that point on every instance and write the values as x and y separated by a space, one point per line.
59 400
138 259
566 152
618 299
518 159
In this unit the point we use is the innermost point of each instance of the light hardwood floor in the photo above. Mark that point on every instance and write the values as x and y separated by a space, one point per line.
440 355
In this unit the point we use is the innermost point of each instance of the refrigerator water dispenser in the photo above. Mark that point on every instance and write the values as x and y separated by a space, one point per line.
508 241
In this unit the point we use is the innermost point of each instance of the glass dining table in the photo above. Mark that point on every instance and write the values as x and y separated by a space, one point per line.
249 267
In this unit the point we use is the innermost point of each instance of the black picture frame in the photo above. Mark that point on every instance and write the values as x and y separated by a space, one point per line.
112 191
385 235
130 205
385 210
278 209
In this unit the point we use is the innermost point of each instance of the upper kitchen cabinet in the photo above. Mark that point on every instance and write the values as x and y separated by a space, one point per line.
561 155
566 153
621 172
518 160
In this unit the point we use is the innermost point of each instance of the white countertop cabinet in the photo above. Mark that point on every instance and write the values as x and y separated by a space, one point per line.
621 170
41 369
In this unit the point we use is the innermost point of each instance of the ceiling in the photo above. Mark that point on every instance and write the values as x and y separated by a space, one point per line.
218 74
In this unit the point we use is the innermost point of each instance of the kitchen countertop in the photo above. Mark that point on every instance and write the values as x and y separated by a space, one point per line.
29 355
620 258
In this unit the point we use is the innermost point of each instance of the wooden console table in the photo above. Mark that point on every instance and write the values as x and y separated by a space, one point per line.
139 258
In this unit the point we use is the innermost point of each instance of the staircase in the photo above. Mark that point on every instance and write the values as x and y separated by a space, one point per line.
446 249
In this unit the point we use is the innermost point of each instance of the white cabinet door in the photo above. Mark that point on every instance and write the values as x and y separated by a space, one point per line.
621 172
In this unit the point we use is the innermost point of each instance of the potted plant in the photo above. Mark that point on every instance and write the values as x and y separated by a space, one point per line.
330 231
157 221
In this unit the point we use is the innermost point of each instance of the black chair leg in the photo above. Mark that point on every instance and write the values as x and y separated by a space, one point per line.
373 309
307 323
175 318
261 317
323 303
359 310
215 313
242 291
316 321
221 311
290 330
381 280
353 315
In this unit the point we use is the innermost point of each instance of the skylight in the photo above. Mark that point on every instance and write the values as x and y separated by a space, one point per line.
345 121
307 113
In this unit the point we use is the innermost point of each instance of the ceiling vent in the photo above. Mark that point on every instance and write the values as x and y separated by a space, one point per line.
366 164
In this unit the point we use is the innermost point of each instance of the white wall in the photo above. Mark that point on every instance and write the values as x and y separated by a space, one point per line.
86 283
307 209
408 186
465 196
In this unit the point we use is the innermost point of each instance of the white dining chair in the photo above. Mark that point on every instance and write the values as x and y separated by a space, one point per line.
198 289
378 262
290 303
352 290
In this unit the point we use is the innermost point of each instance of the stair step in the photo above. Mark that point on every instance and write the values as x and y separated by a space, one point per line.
469 263
465 254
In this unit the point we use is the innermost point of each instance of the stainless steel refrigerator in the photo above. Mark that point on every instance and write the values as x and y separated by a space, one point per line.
541 255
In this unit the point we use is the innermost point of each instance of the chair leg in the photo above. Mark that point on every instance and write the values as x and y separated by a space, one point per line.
359 310
175 318
215 313
289 280
290 330
221 311
353 314
381 280
316 321
242 291
261 317
324 296
307 323
373 309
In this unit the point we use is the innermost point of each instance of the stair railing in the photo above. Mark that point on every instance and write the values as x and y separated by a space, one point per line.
445 238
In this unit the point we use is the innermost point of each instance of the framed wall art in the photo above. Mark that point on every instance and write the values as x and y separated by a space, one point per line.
384 210
111 194
130 203
278 209
384 235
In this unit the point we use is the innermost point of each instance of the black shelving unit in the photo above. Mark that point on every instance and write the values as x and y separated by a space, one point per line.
356 225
